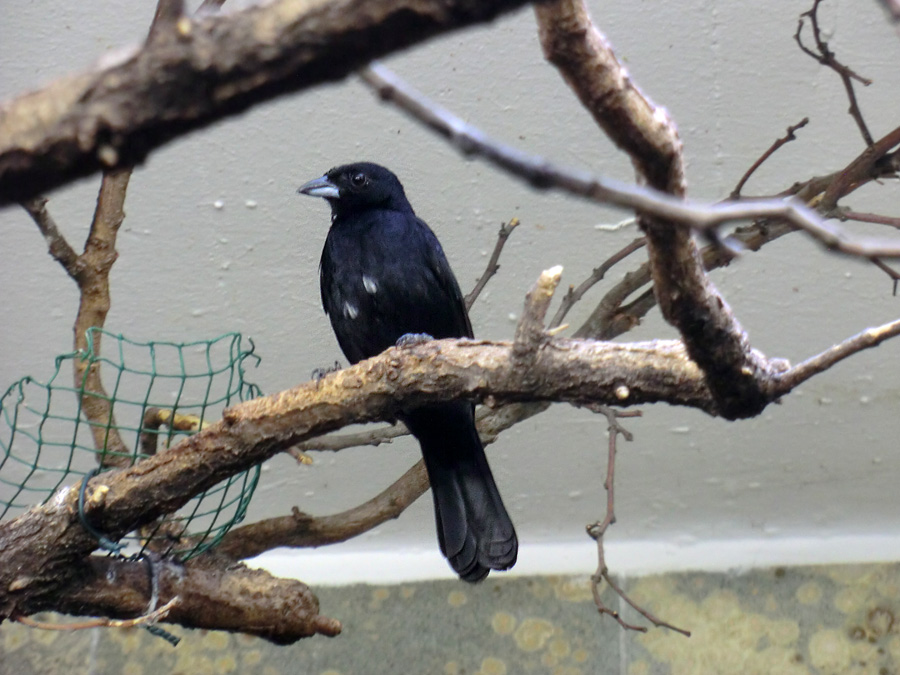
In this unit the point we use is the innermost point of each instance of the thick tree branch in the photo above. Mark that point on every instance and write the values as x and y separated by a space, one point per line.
32 571
93 284
214 66
214 594
686 296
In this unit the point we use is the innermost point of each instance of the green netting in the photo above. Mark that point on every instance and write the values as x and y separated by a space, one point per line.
48 441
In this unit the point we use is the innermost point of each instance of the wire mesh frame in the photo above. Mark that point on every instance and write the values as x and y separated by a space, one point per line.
46 439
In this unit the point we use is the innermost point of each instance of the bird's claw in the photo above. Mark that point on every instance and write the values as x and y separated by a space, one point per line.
320 373
413 339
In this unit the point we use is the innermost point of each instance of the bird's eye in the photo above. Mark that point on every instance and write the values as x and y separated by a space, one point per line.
358 179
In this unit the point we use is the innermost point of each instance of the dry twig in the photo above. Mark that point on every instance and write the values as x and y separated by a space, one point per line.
146 620
493 262
827 58
597 531
871 337
575 293
787 138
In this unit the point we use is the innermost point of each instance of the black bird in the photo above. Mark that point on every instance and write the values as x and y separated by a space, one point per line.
383 275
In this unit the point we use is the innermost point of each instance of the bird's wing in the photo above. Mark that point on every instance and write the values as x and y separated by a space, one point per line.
443 275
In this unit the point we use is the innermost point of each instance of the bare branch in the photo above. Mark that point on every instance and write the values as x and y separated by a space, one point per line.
861 170
871 337
530 330
302 530
575 294
213 592
375 389
597 530
216 65
687 297
335 442
827 58
542 174
659 623
493 263
93 284
57 245
787 138
878 219
890 271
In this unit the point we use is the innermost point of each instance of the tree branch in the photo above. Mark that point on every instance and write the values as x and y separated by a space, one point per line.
542 174
826 57
871 337
597 531
784 140
32 572
300 530
215 66
686 296
212 593
575 294
57 245
493 265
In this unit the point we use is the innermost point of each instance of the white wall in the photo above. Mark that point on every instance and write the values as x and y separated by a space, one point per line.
822 466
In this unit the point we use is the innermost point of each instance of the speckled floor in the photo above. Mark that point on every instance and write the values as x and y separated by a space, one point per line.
838 619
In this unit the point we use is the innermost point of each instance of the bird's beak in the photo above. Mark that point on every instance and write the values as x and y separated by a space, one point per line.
320 187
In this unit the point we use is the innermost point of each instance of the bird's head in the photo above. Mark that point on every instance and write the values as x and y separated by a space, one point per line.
356 187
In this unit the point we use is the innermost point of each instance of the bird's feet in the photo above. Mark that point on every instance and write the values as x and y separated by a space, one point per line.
319 373
413 339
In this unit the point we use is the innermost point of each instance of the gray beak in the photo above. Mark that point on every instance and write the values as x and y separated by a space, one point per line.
320 187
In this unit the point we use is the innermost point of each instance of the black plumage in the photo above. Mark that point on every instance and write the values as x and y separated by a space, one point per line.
384 275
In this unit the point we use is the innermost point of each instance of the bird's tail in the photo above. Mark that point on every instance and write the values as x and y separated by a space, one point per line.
474 530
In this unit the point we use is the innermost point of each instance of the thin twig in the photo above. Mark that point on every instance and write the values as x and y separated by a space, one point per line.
871 337
787 138
656 621
102 622
890 271
826 57
575 294
542 174
493 263
338 441
877 218
57 245
596 531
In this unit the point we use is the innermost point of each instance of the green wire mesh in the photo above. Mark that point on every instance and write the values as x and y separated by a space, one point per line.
48 441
